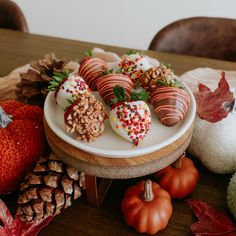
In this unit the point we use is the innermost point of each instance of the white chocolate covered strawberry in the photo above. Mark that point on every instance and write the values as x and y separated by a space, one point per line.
140 60
133 65
130 119
67 87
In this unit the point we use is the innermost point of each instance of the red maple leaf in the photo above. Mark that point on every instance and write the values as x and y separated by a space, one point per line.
211 222
214 106
16 227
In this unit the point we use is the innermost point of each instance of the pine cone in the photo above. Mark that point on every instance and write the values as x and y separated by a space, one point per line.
34 83
85 117
48 189
149 78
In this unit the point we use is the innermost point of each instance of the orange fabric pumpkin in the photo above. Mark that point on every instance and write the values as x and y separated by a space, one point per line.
179 179
146 207
22 141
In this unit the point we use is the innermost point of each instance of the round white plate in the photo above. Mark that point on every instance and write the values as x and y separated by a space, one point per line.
112 145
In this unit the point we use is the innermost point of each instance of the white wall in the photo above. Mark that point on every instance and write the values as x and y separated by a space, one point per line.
128 23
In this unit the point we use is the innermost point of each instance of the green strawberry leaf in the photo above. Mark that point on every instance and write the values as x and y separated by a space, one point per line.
119 93
139 95
131 51
170 83
57 78
89 53
106 72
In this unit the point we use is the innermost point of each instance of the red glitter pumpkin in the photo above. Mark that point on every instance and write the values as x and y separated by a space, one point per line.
22 141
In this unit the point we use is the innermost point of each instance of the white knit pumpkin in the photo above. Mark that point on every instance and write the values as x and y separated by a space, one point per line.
213 143
231 195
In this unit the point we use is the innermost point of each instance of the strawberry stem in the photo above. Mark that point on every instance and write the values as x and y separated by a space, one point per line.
5 119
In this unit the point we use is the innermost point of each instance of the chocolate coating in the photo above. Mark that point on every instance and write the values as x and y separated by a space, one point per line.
106 84
91 69
170 104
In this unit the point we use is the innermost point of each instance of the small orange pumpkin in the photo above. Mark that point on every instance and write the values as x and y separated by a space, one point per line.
179 179
146 207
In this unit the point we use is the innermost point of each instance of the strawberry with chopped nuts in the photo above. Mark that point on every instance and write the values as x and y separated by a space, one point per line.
130 119
85 117
150 78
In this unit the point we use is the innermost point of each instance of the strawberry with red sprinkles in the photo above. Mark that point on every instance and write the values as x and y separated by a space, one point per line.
129 119
67 87
134 65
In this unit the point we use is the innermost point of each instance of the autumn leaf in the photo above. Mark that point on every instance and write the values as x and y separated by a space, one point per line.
16 227
211 222
214 106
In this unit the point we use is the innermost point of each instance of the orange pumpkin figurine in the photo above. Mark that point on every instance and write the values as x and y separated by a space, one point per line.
22 141
179 179
146 207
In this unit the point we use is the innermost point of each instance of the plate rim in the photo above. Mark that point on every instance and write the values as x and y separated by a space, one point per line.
121 153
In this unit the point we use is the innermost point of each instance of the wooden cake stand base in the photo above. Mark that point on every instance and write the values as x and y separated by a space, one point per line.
99 171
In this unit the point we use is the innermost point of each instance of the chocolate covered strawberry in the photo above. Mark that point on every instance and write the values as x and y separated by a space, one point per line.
171 102
85 117
133 64
129 119
107 83
90 69
67 86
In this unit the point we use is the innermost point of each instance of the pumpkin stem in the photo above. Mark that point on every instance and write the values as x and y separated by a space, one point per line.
5 119
148 194
178 164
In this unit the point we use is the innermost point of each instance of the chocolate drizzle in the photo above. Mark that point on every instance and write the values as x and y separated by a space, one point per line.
106 84
90 69
170 104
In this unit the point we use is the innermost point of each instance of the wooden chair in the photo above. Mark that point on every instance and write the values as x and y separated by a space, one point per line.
198 36
11 16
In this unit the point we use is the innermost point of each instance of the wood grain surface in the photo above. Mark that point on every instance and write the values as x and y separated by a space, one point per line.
119 168
17 49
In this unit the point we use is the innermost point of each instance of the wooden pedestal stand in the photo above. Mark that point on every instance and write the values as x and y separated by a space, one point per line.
99 171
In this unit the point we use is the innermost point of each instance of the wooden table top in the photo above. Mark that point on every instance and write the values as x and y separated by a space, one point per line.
17 49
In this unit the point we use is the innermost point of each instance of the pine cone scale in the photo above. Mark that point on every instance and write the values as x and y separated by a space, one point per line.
50 208
67 185
51 180
59 199
46 194
38 209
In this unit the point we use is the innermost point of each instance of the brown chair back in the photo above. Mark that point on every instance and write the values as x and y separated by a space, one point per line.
198 36
11 16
